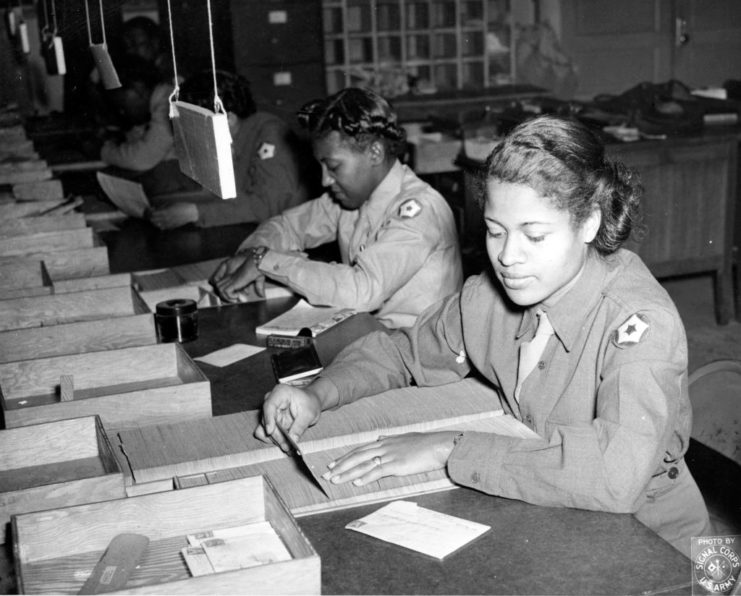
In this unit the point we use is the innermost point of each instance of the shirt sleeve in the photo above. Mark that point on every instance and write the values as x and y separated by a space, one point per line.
400 250
305 226
150 148
268 182
602 463
429 353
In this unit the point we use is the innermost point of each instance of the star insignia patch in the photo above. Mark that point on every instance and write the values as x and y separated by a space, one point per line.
409 209
632 331
266 151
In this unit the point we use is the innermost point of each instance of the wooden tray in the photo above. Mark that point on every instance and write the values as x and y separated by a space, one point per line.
127 388
48 241
68 264
91 305
56 464
78 338
56 550
42 223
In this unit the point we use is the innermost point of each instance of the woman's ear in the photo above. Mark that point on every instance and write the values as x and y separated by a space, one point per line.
234 121
377 152
591 225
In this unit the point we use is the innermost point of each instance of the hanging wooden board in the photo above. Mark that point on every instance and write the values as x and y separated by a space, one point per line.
203 146
104 65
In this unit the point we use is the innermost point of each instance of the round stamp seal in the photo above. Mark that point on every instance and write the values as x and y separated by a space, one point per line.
717 565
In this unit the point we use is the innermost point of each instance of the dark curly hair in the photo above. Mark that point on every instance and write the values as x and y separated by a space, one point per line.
563 160
234 92
360 115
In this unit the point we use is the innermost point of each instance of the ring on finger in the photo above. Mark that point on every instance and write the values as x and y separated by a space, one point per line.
377 462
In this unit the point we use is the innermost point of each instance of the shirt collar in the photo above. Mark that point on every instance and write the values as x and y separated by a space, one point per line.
567 315
385 193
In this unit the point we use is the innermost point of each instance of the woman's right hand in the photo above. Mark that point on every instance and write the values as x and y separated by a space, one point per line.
288 408
234 275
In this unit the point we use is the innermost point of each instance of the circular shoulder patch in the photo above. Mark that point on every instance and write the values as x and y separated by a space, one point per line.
631 332
266 151
409 208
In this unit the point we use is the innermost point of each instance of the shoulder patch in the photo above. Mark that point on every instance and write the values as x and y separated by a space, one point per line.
266 151
631 332
409 208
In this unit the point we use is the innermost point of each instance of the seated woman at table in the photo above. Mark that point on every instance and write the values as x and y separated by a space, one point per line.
272 169
142 105
602 381
396 234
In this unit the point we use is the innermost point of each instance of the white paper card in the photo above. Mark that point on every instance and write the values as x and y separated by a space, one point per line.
127 195
230 355
417 528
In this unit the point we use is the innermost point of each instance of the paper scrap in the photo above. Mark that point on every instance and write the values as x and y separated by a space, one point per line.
127 195
418 528
229 355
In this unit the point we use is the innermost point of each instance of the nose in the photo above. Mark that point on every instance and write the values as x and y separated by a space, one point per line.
510 251
327 179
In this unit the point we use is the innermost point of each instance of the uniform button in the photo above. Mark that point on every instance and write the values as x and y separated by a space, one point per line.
276 267
475 478
541 365
673 473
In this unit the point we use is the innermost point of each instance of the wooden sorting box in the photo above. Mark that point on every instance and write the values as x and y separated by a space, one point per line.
42 223
58 240
78 338
90 305
68 264
56 464
56 550
127 388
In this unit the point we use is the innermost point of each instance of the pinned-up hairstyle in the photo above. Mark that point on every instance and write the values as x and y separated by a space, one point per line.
360 115
564 161
234 92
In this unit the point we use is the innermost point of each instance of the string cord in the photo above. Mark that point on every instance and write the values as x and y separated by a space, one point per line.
218 106
176 85
87 22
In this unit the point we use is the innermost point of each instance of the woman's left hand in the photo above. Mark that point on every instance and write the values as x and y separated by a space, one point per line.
400 455
174 216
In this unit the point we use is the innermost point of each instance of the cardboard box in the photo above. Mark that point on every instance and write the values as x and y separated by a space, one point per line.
127 388
56 464
56 550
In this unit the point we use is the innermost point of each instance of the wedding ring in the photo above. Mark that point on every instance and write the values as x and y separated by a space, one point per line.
376 462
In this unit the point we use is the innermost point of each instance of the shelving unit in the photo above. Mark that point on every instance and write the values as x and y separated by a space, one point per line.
433 45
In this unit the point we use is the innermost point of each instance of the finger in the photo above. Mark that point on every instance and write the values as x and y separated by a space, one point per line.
260 286
359 472
219 273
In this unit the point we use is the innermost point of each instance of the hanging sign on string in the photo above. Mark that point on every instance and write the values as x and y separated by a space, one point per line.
52 48
203 143
101 57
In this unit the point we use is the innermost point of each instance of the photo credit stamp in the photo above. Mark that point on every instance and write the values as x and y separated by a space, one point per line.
716 564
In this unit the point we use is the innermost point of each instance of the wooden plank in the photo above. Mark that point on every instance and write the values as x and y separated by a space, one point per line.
26 273
43 190
25 176
42 223
25 165
127 388
44 563
25 208
78 338
203 147
68 264
97 282
48 241
43 311
224 448
57 464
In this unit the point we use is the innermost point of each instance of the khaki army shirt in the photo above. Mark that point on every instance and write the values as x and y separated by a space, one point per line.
608 398
399 250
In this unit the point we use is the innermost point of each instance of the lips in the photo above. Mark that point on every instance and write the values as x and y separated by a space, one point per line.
515 283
